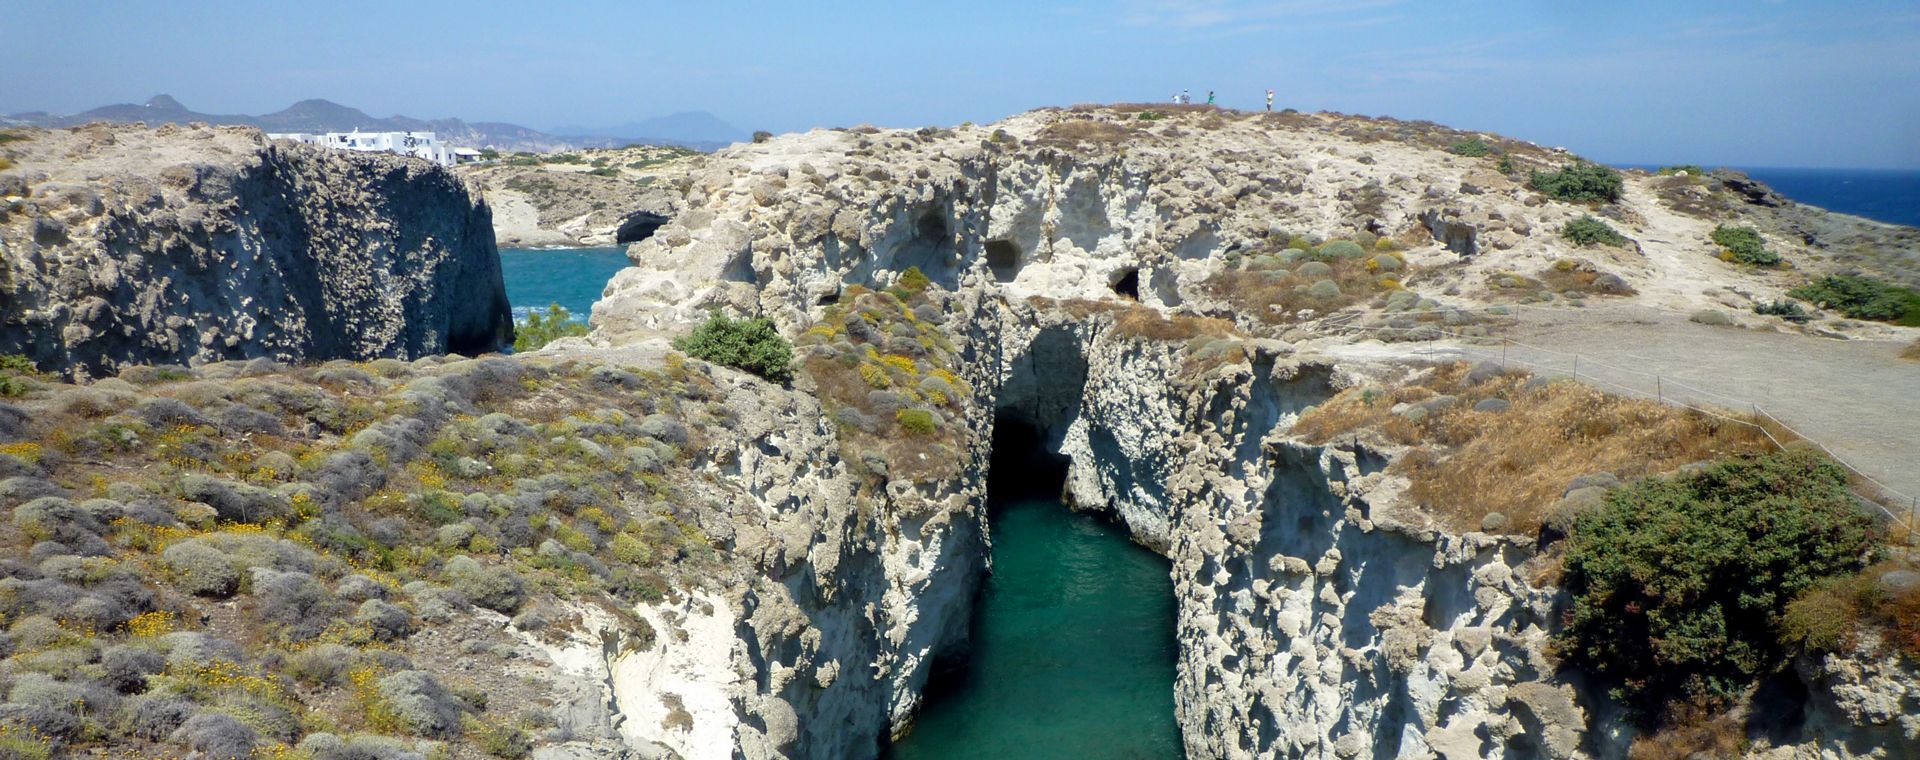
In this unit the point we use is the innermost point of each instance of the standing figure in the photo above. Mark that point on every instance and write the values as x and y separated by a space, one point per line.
1269 101
1209 97
1186 96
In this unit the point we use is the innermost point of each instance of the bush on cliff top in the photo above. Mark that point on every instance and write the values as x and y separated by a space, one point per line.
1680 583
1580 183
752 345
1744 245
1862 297
1588 231
540 329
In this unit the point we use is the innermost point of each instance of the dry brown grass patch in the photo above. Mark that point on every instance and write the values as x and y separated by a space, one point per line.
1693 732
1464 464
1277 296
1086 130
1911 352
1148 323
1573 276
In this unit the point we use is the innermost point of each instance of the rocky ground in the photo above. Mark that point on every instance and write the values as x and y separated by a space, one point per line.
605 548
1170 275
124 245
594 197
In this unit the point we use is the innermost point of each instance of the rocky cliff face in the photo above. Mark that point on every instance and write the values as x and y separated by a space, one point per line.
1090 253
191 244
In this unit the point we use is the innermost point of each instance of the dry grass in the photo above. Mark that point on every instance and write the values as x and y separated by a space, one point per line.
1911 352
1464 464
1574 276
1148 323
1693 732
1087 131
1279 296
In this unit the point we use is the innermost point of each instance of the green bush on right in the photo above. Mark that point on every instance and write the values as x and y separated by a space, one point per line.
1680 583
1862 297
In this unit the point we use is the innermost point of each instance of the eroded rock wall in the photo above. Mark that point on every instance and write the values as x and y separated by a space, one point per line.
125 245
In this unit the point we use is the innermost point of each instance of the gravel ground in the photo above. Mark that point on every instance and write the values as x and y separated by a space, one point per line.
1856 397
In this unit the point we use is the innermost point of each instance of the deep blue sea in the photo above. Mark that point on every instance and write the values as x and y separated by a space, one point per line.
1886 195
571 277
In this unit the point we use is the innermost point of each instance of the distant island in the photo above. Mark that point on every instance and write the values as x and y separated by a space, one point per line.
697 130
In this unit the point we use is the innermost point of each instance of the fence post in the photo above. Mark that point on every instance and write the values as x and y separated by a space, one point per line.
1503 354
1659 393
1576 366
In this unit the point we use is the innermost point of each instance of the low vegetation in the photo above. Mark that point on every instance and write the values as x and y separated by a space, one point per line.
751 345
1472 147
1587 230
537 329
241 559
1679 583
1689 170
883 364
1579 183
1834 615
1483 441
1305 279
1568 278
1744 245
1787 310
1862 297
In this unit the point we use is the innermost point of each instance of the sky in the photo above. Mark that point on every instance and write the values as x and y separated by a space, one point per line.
1763 83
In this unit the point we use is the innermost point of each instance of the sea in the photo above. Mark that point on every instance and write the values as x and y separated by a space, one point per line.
1887 195
570 277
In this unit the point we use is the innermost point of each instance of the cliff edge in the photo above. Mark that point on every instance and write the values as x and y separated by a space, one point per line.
125 245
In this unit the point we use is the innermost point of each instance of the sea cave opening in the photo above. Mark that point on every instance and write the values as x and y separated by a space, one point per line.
1072 650
1127 285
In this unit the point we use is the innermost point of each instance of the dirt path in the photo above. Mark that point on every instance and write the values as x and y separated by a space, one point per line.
1856 397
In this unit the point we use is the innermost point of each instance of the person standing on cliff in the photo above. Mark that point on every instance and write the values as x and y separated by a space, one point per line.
1269 101
1186 96
1209 97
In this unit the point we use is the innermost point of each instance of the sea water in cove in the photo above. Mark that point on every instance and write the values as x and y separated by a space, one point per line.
571 277
1073 649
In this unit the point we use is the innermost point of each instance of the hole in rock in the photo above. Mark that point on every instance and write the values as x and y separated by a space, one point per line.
638 226
1022 467
927 244
1127 285
1456 236
1003 257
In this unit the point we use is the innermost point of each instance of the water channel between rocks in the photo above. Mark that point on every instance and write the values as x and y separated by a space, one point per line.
1073 639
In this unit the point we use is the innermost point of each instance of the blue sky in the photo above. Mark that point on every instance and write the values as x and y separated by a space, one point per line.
1754 82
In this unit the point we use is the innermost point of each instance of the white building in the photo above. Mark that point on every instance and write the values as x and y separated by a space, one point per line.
420 144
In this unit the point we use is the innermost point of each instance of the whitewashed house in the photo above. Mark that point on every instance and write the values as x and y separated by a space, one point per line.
419 144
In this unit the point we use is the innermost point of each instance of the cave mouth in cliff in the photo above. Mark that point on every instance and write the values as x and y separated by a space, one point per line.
1022 466
1003 258
639 226
1127 285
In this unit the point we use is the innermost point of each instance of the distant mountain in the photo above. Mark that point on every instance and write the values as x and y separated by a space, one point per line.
318 115
697 129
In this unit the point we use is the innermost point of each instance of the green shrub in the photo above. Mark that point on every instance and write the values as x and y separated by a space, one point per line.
1744 244
540 329
1342 249
1472 147
1589 231
1862 297
752 345
1690 169
916 421
762 136
914 280
1506 165
604 171
1580 183
1787 310
1679 583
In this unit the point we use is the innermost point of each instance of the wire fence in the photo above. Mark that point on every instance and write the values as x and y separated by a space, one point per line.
1898 507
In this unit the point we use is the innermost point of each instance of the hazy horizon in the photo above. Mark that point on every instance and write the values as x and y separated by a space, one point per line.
1771 84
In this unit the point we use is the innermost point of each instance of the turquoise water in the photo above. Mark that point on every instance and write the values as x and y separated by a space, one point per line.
1073 649
571 277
